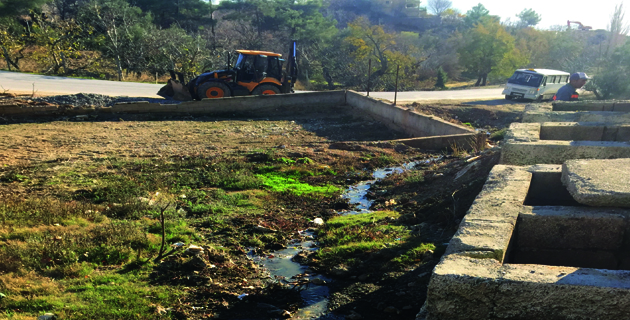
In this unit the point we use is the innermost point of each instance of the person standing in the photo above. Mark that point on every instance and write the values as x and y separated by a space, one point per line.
569 91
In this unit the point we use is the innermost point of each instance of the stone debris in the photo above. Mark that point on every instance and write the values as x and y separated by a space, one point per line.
47 316
354 316
194 249
96 100
262 229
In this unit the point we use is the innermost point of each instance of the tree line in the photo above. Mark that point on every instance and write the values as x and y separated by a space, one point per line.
337 39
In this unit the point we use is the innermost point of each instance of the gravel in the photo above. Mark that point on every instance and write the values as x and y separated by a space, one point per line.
96 100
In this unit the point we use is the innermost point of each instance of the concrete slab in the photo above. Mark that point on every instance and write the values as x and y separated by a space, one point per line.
523 132
602 183
466 288
487 228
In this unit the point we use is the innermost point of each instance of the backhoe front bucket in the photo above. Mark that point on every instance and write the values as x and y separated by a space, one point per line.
174 90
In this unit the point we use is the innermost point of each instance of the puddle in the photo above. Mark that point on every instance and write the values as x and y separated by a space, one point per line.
314 292
357 194
281 266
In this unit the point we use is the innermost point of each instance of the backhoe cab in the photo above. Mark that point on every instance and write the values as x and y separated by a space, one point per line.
255 73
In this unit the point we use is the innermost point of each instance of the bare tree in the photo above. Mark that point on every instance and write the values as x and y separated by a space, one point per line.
439 6
618 30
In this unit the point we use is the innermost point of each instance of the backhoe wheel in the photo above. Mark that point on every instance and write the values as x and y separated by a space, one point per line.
265 89
212 90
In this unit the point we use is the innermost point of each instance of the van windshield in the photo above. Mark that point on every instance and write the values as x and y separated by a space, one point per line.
526 79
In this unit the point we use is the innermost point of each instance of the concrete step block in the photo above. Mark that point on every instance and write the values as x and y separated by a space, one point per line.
598 183
568 228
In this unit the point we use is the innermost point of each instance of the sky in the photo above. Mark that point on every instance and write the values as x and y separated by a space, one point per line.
553 12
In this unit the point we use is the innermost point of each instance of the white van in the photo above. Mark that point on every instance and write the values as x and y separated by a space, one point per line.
535 84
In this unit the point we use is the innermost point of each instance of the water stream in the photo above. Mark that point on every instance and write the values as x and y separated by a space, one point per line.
281 266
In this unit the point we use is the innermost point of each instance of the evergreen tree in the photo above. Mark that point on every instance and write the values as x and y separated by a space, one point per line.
191 15
442 78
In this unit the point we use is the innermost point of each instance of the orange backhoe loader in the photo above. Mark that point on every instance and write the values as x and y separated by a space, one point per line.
255 73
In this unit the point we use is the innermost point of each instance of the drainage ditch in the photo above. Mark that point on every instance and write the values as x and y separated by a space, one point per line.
313 288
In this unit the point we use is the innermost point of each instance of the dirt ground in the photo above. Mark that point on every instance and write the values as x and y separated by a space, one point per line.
431 206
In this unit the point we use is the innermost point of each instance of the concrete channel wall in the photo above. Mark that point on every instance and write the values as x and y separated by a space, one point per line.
601 105
417 124
431 132
509 260
246 104
544 113
548 237
555 143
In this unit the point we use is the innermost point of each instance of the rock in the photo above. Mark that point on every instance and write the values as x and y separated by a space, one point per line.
262 229
267 307
354 316
194 249
340 270
428 255
346 146
47 316
318 281
178 244
391 309
318 221
302 257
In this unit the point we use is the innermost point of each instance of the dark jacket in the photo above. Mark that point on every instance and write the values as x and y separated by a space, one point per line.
566 93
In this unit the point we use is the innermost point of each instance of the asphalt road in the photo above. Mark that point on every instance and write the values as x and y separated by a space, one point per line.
26 83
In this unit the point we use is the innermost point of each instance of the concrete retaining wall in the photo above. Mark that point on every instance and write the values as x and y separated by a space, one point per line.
544 113
246 104
436 133
576 116
524 144
399 118
17 110
557 152
604 105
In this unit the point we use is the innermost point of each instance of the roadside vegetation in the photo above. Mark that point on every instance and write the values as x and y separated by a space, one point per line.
429 42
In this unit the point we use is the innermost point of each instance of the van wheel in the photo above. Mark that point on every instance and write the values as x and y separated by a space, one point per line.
508 97
539 99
